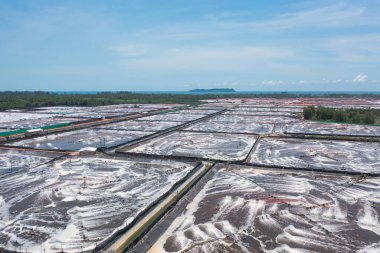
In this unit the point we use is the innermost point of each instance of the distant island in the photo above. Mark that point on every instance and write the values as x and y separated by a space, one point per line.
213 90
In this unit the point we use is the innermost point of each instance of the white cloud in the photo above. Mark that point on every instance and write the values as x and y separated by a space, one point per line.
303 82
272 82
360 78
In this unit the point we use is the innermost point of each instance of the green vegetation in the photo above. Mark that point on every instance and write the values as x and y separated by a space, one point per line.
27 100
353 116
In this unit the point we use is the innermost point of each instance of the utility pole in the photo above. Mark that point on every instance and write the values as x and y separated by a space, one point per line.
84 181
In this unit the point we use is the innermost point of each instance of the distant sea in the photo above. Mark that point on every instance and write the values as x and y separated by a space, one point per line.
237 92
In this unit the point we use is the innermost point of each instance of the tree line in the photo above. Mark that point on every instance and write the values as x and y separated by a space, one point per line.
355 116
28 99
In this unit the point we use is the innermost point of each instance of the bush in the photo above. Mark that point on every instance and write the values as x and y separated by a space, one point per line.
356 116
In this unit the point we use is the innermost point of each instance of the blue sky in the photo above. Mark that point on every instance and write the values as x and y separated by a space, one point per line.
182 44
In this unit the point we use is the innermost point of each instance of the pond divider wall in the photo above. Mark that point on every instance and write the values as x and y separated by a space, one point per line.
126 238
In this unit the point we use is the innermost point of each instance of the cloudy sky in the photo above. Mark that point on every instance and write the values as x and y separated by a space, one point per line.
180 44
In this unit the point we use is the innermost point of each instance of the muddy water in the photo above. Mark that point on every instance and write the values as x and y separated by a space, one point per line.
141 126
244 209
13 160
333 129
322 154
229 147
233 127
79 202
76 140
